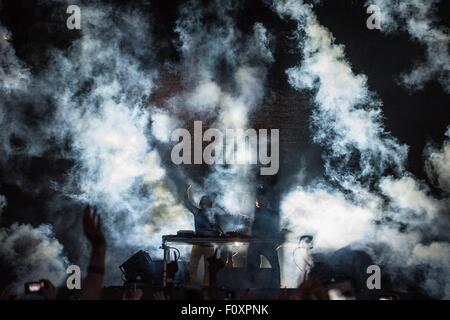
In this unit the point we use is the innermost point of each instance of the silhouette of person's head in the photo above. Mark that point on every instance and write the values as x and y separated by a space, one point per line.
262 197
205 202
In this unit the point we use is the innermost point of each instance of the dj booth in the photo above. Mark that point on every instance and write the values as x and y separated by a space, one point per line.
217 240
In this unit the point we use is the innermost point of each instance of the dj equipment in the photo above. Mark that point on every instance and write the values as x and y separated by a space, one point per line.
241 278
142 269
261 277
186 233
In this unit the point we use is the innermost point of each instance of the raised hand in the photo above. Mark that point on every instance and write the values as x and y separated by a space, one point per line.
6 294
160 296
92 227
93 283
246 295
134 294
48 291
214 265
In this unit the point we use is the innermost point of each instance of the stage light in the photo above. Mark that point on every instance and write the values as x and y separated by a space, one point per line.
138 267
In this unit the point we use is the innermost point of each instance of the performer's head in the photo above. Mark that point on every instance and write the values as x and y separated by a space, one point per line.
306 241
205 202
262 197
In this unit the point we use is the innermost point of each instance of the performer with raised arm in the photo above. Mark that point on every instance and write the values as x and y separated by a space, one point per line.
204 222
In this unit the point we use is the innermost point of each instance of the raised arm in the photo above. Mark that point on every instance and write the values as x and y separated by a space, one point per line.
93 283
188 202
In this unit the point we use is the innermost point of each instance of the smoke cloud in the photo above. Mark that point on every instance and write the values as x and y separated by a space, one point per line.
33 254
13 75
101 120
418 18
366 195
103 81
227 70
118 167
438 165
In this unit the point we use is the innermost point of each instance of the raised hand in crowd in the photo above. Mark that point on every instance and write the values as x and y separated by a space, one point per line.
48 291
5 294
284 294
92 228
93 283
133 294
215 264
246 295
160 296
172 268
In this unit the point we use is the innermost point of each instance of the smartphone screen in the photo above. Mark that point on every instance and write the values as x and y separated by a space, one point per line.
33 287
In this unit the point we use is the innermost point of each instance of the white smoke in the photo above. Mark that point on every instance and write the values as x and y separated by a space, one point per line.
14 81
374 194
205 96
436 255
339 223
348 121
13 74
438 165
117 167
99 88
411 200
162 125
226 71
418 18
33 253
